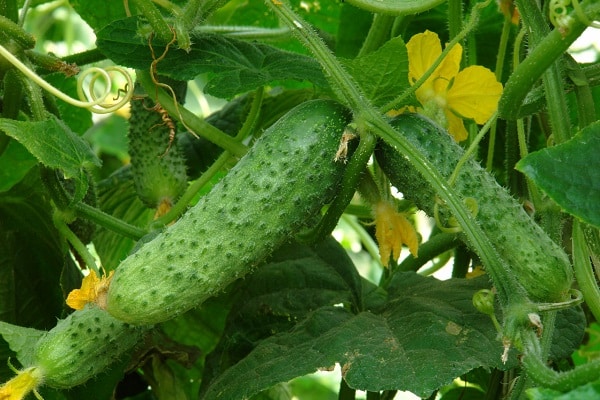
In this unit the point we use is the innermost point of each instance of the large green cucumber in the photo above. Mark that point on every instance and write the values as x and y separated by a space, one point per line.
284 180
82 345
539 264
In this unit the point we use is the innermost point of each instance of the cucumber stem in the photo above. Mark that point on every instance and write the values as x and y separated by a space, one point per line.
584 272
152 13
436 245
253 115
552 81
189 119
60 224
365 238
379 33
108 221
352 175
10 30
543 375
499 70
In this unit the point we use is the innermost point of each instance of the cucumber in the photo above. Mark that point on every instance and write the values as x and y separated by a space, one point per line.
539 264
283 181
157 164
82 345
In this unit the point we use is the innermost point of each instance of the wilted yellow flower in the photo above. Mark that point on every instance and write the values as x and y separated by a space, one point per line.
449 95
93 290
21 385
392 229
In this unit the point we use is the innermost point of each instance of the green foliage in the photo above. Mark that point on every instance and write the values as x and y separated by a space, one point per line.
251 186
567 173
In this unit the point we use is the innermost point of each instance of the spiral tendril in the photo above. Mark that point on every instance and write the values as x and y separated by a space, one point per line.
89 98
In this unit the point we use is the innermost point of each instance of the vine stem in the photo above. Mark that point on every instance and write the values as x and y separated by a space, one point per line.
584 272
76 243
353 173
108 221
499 70
509 291
552 81
543 375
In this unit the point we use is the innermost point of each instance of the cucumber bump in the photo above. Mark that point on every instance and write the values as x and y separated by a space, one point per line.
285 179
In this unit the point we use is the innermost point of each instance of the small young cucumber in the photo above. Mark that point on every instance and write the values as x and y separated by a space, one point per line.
82 345
157 164
283 181
539 264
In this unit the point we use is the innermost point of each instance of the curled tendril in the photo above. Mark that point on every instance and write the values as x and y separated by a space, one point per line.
98 103
89 99
575 298
558 14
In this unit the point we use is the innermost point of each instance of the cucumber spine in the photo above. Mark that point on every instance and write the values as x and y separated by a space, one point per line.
285 179
540 265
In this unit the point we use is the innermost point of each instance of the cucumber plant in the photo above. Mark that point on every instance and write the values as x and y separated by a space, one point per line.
303 141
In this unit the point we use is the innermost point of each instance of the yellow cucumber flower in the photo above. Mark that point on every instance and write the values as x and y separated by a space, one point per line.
449 95
392 229
21 385
93 290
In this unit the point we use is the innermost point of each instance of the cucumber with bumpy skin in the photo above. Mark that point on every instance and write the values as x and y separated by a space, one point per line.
82 345
284 180
539 264
157 164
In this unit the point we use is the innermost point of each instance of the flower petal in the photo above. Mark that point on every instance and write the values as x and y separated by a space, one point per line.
456 127
24 383
475 93
392 229
423 49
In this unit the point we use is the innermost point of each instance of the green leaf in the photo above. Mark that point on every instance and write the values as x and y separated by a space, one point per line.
295 281
388 71
428 334
55 146
32 256
235 66
96 13
15 162
570 173
77 119
21 340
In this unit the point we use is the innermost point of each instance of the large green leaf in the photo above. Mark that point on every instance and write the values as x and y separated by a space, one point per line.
21 340
32 257
295 281
55 146
570 173
427 334
388 71
15 162
236 66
